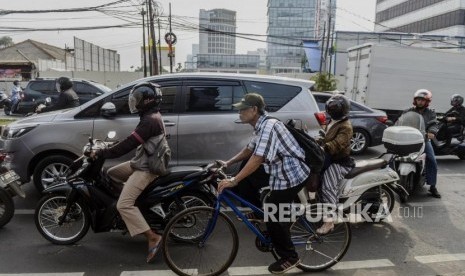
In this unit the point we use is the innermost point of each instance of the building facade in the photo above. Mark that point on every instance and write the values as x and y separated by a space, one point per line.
217 32
289 23
438 17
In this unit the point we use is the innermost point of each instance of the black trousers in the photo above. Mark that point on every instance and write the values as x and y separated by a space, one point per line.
249 188
279 231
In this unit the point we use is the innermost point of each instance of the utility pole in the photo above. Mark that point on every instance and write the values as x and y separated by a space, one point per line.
329 34
143 41
153 41
159 45
171 54
148 37
322 47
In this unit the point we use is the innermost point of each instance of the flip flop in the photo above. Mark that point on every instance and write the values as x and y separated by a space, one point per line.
153 252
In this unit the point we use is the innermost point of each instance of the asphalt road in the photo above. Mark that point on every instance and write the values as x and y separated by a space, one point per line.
425 237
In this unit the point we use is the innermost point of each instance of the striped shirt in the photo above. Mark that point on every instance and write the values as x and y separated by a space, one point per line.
284 158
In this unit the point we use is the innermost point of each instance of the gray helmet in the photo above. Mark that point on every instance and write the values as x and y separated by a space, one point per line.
141 92
338 107
456 100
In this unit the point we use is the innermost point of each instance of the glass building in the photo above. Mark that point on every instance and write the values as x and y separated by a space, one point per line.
217 31
290 22
436 17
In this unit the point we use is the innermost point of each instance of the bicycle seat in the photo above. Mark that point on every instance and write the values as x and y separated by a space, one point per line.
364 166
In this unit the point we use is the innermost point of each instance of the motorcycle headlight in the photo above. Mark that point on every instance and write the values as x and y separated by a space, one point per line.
13 133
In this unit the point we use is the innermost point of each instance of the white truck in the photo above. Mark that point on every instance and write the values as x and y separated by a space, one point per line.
386 77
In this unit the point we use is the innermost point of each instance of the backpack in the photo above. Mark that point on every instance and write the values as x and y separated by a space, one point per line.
314 153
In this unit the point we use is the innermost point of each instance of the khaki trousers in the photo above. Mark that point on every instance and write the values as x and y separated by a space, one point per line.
135 182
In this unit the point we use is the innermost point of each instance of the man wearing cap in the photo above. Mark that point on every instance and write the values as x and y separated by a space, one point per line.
273 146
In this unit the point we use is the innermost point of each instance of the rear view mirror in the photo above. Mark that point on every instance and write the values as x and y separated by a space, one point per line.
108 110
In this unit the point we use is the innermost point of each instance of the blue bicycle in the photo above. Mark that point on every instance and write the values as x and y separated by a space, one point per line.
213 240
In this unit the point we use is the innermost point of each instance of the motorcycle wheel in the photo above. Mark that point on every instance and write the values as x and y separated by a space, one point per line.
388 201
6 110
406 181
47 214
7 207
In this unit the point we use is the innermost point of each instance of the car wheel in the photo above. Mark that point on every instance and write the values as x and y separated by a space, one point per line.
49 171
359 141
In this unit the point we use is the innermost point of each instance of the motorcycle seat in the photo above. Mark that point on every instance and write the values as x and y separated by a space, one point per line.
366 165
177 173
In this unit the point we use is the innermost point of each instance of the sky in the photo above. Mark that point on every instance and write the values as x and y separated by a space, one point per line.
251 18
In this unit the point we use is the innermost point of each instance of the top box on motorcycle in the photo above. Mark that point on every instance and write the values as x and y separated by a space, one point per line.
402 140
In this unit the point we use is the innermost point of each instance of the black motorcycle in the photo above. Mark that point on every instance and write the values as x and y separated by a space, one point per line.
9 187
86 197
448 142
23 106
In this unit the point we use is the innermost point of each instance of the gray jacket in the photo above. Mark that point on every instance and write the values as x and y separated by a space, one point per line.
429 116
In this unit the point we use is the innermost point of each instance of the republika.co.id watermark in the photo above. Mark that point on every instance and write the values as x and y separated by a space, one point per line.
367 212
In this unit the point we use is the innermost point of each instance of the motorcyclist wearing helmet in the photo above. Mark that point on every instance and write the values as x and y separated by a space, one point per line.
67 98
421 100
455 116
336 144
15 95
145 98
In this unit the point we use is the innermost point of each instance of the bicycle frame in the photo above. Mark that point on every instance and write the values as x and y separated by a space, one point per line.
225 197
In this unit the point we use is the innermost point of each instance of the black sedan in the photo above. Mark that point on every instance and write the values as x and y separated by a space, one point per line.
368 124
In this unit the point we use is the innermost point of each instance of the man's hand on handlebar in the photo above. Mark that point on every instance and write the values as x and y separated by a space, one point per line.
226 183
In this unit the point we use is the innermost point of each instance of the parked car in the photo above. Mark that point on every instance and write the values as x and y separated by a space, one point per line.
197 110
40 88
368 124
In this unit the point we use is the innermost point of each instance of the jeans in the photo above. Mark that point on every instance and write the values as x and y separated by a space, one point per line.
431 165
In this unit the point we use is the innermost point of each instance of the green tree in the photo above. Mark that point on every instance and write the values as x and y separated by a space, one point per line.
5 41
324 82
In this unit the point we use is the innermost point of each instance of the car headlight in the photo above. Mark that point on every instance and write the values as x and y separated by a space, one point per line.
13 133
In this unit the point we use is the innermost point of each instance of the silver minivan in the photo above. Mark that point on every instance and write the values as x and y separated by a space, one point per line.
201 123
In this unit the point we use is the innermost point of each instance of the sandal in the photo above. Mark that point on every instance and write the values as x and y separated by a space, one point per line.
153 252
252 217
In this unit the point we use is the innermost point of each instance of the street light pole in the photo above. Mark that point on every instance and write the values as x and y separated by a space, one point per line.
143 41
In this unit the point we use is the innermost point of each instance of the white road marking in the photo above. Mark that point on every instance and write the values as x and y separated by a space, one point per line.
46 274
148 273
255 270
363 264
440 258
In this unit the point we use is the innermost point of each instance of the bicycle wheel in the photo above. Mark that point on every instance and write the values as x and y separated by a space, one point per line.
319 252
195 256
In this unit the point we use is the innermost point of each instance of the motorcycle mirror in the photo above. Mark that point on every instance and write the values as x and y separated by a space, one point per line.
111 134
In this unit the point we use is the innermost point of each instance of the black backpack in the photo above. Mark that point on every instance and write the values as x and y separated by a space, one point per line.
314 154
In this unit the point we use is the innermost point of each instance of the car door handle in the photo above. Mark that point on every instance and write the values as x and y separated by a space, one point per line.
169 124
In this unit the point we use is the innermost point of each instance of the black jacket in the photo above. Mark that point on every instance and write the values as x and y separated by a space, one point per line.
150 124
460 118
67 99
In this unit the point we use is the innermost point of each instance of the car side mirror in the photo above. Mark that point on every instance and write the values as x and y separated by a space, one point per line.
108 110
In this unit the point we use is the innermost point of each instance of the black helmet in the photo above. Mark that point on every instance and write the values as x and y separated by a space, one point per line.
141 92
456 100
63 84
337 107
15 82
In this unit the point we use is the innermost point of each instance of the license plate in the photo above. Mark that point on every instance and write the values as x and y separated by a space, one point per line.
8 177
